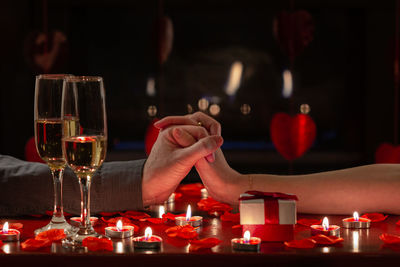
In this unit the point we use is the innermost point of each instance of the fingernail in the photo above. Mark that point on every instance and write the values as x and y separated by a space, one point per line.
210 158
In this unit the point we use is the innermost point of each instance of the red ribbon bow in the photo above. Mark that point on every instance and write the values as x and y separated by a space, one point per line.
271 206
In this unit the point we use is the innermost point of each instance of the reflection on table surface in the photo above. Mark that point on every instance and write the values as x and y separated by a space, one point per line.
360 243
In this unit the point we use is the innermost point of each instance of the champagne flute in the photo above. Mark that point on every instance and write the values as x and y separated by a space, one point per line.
48 133
84 140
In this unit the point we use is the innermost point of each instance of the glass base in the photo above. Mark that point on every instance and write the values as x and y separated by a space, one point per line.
74 241
58 223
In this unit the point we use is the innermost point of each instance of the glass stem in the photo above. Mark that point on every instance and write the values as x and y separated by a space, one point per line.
84 182
58 214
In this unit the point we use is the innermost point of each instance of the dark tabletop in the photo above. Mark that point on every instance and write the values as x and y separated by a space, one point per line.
359 246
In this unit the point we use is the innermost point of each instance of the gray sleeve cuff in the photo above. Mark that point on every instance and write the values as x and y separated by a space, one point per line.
117 186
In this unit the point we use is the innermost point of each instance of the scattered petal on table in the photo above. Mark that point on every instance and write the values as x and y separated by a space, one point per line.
51 235
205 243
32 244
155 220
135 215
185 232
113 221
97 244
211 206
327 240
302 243
193 190
170 216
390 239
309 222
375 217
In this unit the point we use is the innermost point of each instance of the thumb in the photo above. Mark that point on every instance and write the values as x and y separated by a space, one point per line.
201 149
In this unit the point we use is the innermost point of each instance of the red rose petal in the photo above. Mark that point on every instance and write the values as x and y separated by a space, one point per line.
211 206
16 226
155 220
375 217
113 221
309 222
205 243
191 189
302 243
34 244
135 215
230 217
170 216
97 244
51 235
327 240
390 239
184 232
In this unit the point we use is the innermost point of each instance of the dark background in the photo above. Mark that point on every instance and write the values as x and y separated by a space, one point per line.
345 74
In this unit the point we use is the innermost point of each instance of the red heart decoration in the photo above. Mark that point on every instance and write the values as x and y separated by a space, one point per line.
387 153
294 31
151 136
292 136
31 153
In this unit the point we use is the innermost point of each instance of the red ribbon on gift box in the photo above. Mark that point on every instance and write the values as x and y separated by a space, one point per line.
271 205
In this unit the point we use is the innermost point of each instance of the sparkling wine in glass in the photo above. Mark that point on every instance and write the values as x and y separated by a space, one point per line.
84 140
48 134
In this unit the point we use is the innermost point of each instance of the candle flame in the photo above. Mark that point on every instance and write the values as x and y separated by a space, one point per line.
5 228
188 213
235 76
246 236
161 211
355 216
148 233
325 224
287 84
119 225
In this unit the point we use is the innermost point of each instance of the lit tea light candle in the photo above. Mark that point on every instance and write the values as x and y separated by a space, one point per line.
356 222
119 231
148 241
204 193
7 234
194 221
325 229
161 211
76 221
246 243
171 198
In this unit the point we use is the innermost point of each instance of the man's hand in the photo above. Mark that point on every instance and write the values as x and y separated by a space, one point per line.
175 152
198 119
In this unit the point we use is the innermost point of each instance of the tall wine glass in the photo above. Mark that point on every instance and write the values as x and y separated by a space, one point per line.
84 140
48 133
